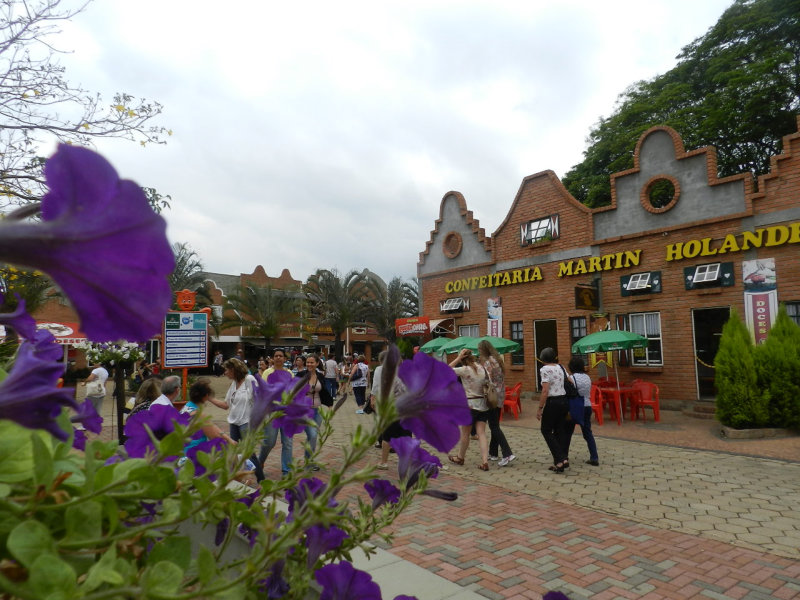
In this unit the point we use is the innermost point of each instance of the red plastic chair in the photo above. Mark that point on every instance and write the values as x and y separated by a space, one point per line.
648 396
597 405
512 402
610 396
606 382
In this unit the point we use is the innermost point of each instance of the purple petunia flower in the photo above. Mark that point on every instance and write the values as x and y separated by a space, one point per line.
222 531
79 440
161 421
268 398
208 447
306 489
29 395
341 581
404 597
101 242
434 403
381 492
412 459
321 539
88 417
275 586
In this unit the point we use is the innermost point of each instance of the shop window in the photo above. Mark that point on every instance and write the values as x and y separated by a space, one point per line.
454 305
793 310
539 230
648 325
577 328
709 275
640 283
516 334
468 330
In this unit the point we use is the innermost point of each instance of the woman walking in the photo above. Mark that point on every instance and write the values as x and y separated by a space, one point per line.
492 362
553 409
239 401
584 384
318 392
472 376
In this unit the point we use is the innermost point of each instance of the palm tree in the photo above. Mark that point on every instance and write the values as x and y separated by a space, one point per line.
389 302
189 274
261 311
338 301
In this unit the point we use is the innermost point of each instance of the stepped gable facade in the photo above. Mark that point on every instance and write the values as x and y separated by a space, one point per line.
676 249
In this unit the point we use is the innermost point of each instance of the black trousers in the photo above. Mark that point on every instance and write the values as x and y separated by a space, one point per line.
498 437
554 431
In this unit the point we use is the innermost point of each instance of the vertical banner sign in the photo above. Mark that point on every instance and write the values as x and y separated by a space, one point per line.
185 340
494 325
760 296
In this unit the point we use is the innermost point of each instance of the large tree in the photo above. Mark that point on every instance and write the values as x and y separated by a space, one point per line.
38 104
261 311
337 301
736 88
386 303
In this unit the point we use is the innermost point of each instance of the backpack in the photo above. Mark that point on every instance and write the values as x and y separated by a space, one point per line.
359 373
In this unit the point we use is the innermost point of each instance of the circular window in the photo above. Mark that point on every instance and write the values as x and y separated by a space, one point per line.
451 246
660 193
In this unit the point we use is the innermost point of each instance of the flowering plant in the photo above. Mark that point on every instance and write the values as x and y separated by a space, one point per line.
164 516
111 354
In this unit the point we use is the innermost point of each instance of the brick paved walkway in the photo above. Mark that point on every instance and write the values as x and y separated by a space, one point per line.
653 521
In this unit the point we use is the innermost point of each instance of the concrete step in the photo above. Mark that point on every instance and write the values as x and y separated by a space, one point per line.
700 410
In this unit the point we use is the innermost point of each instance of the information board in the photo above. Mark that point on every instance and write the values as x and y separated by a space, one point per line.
185 340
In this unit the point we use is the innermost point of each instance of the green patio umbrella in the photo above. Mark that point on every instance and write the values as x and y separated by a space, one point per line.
434 346
502 345
453 346
607 341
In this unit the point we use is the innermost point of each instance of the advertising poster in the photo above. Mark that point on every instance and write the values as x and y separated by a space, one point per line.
494 324
760 296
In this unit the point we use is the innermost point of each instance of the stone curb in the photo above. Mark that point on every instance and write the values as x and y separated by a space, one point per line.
755 434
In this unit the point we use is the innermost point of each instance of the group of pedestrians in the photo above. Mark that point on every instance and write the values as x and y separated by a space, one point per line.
477 374
558 413
558 418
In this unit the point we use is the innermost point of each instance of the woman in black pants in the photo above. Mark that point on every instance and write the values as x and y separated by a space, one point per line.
492 362
553 409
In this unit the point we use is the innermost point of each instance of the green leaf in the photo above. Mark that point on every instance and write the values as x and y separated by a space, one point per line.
16 452
163 579
177 549
84 521
42 462
158 482
103 571
172 444
5 490
29 540
206 565
52 578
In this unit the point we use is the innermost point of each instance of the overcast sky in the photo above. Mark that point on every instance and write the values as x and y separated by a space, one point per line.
325 134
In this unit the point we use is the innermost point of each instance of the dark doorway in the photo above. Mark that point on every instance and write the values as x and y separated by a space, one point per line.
708 323
544 336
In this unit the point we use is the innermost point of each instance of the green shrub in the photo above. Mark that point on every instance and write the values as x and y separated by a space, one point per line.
741 402
778 370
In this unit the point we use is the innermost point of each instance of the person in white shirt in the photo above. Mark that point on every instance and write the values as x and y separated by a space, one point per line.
331 376
100 375
170 388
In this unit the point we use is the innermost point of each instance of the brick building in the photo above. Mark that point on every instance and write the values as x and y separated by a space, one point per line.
677 249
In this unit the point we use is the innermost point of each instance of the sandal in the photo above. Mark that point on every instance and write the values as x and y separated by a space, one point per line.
455 459
559 468
484 467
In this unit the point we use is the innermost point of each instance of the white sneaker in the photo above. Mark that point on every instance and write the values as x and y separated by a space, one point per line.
492 458
359 412
506 460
